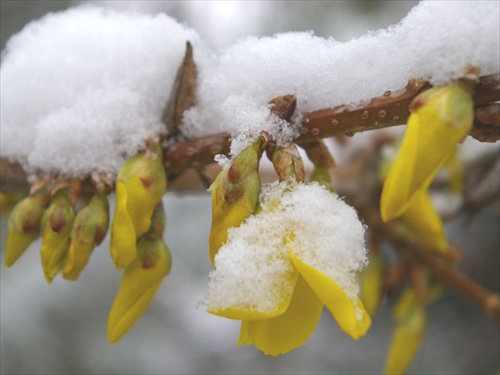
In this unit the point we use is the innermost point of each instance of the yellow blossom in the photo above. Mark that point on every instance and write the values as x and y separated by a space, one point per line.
372 288
281 266
411 322
56 227
440 118
24 224
424 223
140 185
140 281
89 229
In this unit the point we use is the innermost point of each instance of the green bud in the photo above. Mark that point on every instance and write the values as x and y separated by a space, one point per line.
287 161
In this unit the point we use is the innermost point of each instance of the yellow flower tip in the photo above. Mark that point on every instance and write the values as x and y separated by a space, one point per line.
411 322
424 223
140 281
441 117
372 289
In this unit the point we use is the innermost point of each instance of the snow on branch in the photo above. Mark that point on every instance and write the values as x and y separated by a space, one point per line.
83 89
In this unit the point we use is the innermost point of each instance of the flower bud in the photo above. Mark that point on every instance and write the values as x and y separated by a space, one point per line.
57 222
235 193
89 229
140 185
24 224
287 161
140 281
441 117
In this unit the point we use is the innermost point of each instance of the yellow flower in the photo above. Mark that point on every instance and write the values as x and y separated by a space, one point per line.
372 288
424 223
140 185
411 322
89 229
441 117
235 193
141 279
56 227
277 270
24 224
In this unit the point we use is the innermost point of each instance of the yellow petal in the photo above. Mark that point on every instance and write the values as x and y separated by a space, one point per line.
354 320
288 331
441 118
140 281
123 246
372 288
408 335
423 221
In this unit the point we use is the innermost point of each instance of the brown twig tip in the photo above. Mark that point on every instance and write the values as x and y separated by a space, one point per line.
183 94
284 106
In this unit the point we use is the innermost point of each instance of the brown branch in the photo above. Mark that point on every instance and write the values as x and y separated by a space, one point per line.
391 109
488 301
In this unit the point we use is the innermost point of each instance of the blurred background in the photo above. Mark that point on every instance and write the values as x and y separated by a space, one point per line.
61 328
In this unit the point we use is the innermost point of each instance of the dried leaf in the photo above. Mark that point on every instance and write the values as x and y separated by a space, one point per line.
183 93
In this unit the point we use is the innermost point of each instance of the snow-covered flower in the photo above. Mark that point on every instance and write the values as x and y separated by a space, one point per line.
301 250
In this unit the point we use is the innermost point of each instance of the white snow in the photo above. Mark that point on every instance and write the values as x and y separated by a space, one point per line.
253 270
82 89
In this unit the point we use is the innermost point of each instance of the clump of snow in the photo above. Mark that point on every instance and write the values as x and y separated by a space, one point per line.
82 89
253 270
